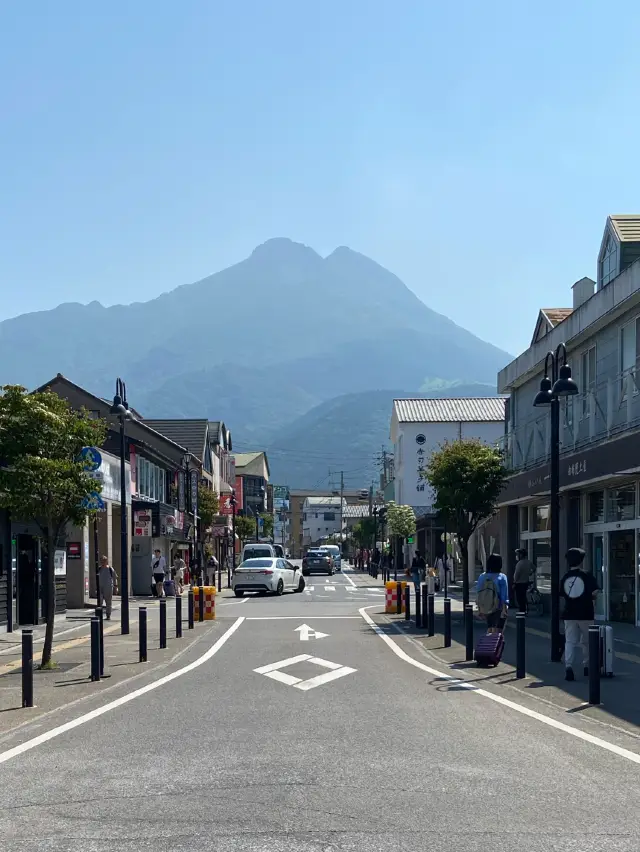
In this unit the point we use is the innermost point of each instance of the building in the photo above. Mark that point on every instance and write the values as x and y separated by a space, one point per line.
297 497
321 518
420 426
599 429
281 516
252 469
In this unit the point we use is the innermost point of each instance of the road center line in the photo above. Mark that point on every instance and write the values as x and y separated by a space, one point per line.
118 702
298 617
512 705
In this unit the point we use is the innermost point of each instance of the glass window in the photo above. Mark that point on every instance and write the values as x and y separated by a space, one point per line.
609 262
595 507
524 519
541 558
621 505
587 378
329 516
543 518
629 346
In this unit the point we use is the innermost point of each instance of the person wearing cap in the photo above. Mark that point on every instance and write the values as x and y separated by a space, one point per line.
579 590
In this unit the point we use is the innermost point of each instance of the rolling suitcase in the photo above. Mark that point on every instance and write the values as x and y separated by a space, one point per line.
606 650
489 649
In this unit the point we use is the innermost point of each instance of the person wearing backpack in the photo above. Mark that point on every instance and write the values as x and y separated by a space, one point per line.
492 594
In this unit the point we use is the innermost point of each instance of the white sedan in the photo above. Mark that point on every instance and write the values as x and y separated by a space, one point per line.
267 574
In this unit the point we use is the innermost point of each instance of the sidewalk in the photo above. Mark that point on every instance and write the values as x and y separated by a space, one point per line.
69 682
620 695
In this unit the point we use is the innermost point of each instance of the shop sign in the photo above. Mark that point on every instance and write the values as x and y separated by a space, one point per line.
220 531
420 464
60 563
74 550
239 494
167 524
577 468
280 492
194 491
142 523
181 491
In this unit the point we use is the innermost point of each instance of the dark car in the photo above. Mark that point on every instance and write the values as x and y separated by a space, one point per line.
319 561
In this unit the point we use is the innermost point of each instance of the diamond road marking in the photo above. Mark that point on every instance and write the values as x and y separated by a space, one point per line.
273 670
330 588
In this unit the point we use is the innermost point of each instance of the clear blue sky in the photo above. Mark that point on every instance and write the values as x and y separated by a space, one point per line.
473 148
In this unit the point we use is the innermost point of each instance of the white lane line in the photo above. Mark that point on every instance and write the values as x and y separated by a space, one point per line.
234 603
298 617
282 664
512 705
347 577
118 702
330 588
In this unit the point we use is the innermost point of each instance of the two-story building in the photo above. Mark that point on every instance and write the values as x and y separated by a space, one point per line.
322 517
418 428
252 469
599 429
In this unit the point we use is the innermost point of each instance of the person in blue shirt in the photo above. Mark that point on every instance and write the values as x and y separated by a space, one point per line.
492 594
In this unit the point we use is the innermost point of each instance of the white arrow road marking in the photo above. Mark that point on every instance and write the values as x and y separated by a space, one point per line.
307 633
273 670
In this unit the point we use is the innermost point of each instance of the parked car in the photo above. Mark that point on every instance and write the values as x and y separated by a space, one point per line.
317 560
279 551
268 574
256 550
334 550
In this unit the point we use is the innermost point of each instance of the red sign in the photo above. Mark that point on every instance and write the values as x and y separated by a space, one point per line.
73 550
239 494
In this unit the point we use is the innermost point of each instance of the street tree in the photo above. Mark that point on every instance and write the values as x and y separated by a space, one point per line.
208 505
467 478
245 528
41 476
267 525
401 523
363 532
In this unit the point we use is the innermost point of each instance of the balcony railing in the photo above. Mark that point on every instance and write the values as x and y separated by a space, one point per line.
606 409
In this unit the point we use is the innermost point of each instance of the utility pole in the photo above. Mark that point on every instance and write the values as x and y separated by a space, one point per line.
341 498
371 515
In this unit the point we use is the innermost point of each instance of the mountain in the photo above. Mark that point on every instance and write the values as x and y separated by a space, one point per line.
258 344
346 433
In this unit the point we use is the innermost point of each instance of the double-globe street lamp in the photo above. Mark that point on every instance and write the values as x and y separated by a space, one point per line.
120 409
552 390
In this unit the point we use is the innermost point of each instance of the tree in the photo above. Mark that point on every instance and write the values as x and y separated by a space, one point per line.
363 532
401 520
245 528
208 505
267 525
41 476
467 478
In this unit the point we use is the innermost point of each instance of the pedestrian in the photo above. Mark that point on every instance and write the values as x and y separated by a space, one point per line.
418 571
492 597
524 571
212 564
179 566
442 567
579 590
107 582
158 569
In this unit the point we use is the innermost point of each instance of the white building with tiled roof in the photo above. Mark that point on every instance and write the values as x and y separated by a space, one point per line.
420 426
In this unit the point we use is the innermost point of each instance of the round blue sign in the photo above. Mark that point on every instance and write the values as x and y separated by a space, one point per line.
91 458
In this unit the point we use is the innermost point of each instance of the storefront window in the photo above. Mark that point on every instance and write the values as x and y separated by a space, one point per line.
621 505
595 507
543 518
524 519
541 557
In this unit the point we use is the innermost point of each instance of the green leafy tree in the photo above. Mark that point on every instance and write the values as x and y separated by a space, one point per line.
245 528
208 505
363 532
401 520
467 478
267 525
41 477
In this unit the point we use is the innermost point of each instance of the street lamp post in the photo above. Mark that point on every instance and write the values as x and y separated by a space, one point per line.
120 409
233 504
551 391
375 534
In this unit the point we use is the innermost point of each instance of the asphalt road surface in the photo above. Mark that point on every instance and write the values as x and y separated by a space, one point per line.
295 725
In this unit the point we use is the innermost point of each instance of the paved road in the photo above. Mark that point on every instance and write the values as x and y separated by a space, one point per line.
277 737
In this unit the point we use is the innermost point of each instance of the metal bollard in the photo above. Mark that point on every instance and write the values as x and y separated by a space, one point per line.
594 665
447 622
178 616
425 605
27 668
521 621
190 609
100 617
142 634
407 602
95 648
419 607
201 603
219 589
398 598
163 622
468 631
431 615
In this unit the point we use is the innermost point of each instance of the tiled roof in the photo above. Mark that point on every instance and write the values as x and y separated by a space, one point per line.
556 315
626 227
243 459
356 511
191 434
483 409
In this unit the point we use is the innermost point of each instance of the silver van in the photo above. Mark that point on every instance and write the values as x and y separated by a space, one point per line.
334 550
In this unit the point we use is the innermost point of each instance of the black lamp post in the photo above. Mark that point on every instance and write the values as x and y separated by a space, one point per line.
120 409
375 529
233 503
551 390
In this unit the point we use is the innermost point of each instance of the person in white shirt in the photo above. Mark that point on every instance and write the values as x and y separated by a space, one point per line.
158 569
178 566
